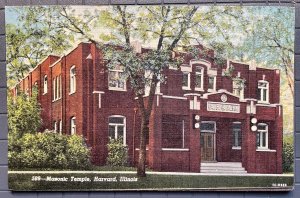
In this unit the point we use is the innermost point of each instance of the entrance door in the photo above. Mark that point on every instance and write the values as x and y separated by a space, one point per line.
207 146
207 140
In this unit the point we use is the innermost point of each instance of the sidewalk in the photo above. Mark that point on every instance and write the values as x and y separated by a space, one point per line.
150 173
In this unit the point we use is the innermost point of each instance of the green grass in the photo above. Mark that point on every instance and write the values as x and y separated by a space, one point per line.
21 182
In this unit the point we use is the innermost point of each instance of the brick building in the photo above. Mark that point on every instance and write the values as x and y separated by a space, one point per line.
79 95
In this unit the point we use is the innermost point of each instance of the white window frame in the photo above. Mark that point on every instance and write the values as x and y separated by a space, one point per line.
54 88
261 131
201 73
72 80
57 88
189 81
119 71
55 126
45 84
261 90
73 125
60 127
234 89
60 87
116 127
209 131
236 139
214 85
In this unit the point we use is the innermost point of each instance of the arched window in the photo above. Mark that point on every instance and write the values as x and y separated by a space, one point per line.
262 136
117 127
45 84
73 79
263 91
73 125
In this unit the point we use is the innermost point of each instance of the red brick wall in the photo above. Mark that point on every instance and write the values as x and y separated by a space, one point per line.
92 120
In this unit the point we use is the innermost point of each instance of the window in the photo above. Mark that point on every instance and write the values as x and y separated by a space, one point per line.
60 127
237 135
72 80
45 84
116 127
199 79
238 89
60 87
262 136
174 131
55 127
54 89
116 79
27 93
186 80
73 125
211 83
57 88
263 91
208 126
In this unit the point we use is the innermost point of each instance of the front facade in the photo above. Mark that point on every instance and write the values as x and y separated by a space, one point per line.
199 115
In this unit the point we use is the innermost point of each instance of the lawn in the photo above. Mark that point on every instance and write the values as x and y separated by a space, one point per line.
114 181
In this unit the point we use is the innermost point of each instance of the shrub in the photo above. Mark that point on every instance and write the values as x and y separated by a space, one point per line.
49 150
78 155
23 114
288 154
34 158
117 153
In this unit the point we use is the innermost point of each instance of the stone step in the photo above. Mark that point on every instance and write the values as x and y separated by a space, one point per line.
222 168
222 164
225 173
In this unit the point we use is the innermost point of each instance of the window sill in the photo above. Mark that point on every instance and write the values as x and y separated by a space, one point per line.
186 88
44 93
236 148
265 150
211 90
263 102
175 149
72 93
199 89
56 100
116 89
137 149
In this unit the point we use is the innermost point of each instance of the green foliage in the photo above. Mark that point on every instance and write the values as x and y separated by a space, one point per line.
23 114
77 153
288 154
117 153
49 150
38 32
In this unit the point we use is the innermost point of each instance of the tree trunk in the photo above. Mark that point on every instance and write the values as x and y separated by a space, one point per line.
141 168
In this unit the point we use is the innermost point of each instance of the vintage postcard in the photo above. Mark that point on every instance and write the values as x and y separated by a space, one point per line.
150 98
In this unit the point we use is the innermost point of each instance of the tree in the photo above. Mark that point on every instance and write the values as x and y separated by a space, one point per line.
169 27
269 40
37 33
165 27
23 114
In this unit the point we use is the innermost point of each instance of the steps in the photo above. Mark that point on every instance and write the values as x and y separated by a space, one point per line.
222 168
